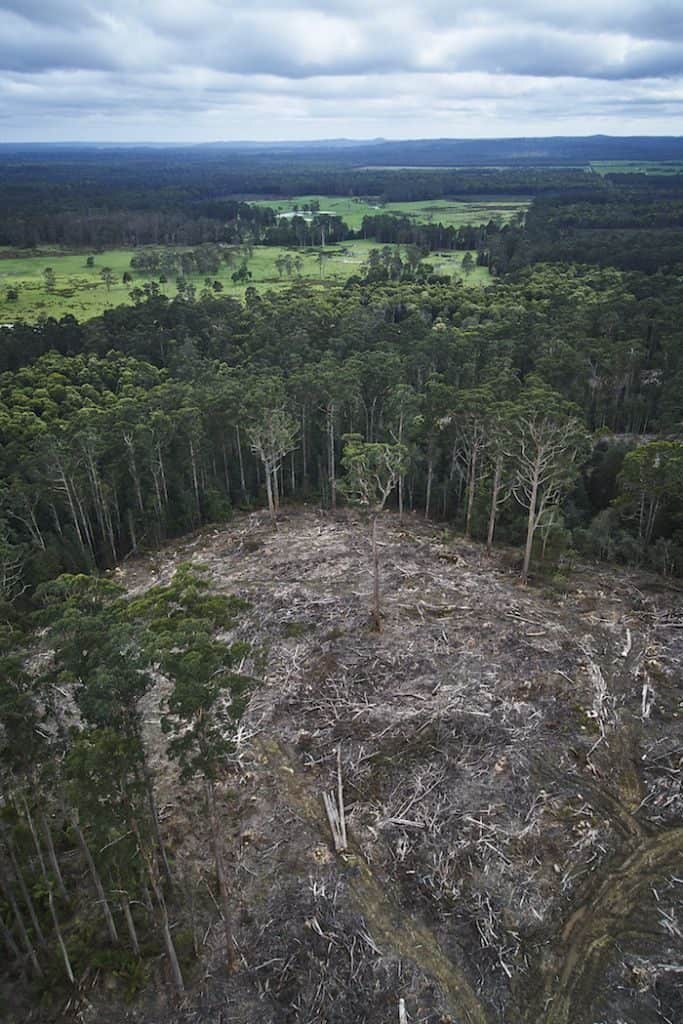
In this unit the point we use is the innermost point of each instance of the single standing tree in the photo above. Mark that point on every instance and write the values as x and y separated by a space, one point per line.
272 437
473 437
499 466
372 472
107 275
468 263
547 441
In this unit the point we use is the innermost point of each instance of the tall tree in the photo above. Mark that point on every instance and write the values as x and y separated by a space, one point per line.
209 693
547 441
273 435
372 471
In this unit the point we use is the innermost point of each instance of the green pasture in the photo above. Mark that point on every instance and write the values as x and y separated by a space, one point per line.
80 291
449 212
603 167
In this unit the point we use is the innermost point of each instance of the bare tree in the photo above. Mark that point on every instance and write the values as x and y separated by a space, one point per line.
545 447
372 473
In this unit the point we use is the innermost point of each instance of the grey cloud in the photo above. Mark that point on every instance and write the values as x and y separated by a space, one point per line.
221 68
64 13
315 38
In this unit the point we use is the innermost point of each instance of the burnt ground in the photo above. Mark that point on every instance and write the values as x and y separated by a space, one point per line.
511 762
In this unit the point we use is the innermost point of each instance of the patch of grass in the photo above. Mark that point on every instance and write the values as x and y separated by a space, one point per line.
450 213
80 291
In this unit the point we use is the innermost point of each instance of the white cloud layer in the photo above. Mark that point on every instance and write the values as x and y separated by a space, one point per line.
168 70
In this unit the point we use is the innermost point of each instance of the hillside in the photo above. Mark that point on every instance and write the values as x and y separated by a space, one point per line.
511 769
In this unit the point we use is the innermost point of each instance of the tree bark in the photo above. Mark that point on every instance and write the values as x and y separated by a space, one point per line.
531 528
331 470
220 873
18 917
243 484
269 492
195 480
377 619
97 882
430 474
130 923
497 477
8 939
151 799
60 939
152 874
36 840
471 484
25 895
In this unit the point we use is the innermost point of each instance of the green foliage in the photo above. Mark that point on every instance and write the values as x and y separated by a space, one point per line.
652 485
209 693
98 649
372 471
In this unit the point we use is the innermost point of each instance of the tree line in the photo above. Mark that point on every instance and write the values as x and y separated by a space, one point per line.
146 423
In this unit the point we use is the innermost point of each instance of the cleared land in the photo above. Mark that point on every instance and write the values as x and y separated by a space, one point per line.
513 812
80 290
449 212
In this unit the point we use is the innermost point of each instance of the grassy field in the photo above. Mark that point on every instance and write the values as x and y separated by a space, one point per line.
603 167
455 213
80 291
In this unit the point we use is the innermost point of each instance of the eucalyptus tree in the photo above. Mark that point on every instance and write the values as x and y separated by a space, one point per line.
372 471
470 418
102 653
403 408
209 692
499 465
651 484
437 400
273 434
30 790
337 387
547 441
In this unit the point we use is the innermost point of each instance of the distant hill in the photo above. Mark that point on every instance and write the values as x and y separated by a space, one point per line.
554 151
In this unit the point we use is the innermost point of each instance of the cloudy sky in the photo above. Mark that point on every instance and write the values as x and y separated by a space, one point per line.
201 70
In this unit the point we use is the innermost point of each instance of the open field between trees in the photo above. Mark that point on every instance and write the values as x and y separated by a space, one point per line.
80 290
449 212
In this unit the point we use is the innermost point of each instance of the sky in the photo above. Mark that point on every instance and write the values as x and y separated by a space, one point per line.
208 70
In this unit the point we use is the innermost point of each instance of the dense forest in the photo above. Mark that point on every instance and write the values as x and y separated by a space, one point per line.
138 425
540 414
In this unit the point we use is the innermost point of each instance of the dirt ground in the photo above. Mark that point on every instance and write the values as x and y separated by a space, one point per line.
511 766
